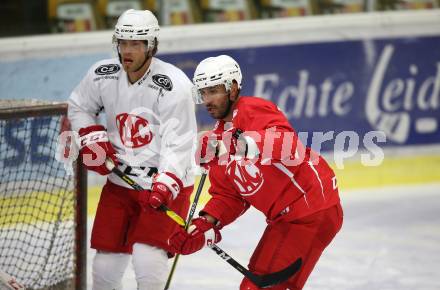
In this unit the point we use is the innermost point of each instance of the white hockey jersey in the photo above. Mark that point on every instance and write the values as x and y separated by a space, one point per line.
150 123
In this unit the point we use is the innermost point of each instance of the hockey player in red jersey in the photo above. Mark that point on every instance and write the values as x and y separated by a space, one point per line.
149 133
256 159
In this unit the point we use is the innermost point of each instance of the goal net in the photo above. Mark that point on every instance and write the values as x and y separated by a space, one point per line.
43 218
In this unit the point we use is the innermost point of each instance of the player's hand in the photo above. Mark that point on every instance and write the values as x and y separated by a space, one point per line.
208 150
166 187
201 232
158 195
95 148
242 145
238 143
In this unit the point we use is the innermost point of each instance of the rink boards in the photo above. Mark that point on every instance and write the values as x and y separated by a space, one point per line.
339 80
399 170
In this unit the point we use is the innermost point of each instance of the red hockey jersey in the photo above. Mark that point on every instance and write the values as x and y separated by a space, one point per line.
287 180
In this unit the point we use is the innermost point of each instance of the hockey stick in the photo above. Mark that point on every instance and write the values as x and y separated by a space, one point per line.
112 167
9 282
190 216
262 281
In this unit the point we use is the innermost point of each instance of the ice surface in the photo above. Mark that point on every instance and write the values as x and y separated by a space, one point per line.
390 240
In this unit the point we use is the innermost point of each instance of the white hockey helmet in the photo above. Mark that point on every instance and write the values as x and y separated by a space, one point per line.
137 25
213 71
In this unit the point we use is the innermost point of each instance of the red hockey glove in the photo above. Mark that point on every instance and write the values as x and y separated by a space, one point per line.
95 148
242 145
166 186
160 194
238 144
200 233
207 151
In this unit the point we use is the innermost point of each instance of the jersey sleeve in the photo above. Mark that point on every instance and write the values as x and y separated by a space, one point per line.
84 103
178 131
225 205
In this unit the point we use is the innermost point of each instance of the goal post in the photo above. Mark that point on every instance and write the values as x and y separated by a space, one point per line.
43 207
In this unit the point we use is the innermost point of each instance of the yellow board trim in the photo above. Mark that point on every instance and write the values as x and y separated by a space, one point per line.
393 171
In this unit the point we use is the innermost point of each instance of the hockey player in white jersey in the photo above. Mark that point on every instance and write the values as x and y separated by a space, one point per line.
149 132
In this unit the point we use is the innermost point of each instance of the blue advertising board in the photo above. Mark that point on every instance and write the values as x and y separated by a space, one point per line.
389 85
28 148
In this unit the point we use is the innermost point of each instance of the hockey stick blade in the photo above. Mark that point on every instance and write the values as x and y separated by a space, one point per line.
271 279
265 280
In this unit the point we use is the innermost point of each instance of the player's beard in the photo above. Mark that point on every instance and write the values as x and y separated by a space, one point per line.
223 114
143 63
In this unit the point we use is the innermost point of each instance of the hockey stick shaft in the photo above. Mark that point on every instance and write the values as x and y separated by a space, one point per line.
196 199
174 216
190 216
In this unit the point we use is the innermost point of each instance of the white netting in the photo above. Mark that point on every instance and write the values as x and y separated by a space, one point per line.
37 200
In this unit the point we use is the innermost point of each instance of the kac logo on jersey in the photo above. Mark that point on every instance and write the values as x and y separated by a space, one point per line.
163 81
134 130
246 176
107 69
